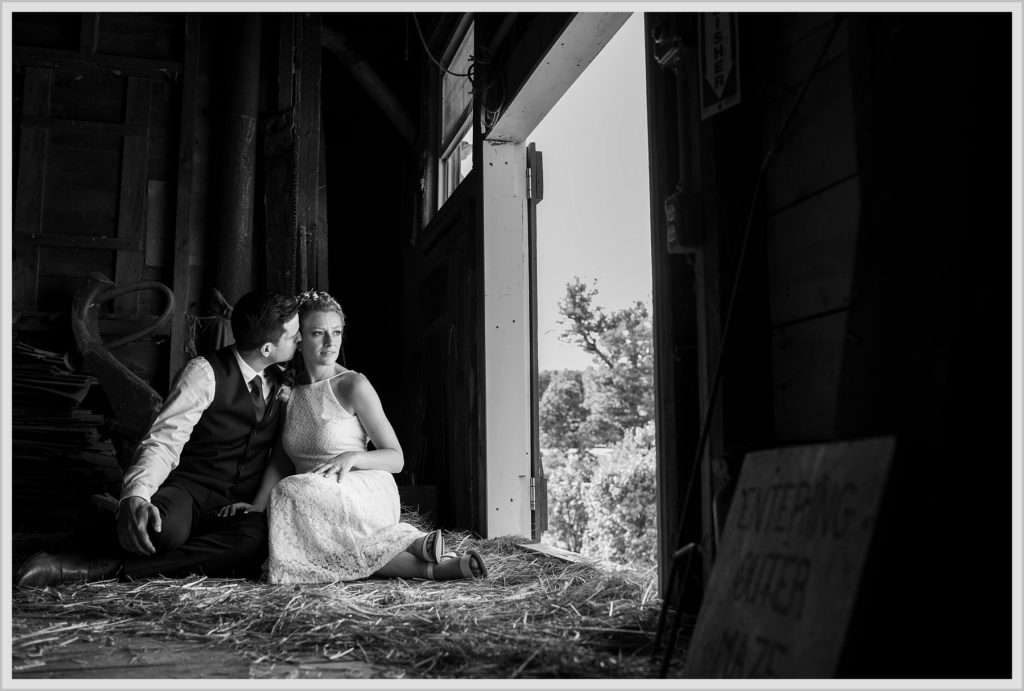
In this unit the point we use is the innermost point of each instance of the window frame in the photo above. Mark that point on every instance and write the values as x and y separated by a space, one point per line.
447 184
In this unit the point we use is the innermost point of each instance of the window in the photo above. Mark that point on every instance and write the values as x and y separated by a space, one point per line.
456 144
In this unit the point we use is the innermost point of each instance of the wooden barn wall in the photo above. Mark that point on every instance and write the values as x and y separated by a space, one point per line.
811 216
928 339
95 122
875 301
781 357
119 128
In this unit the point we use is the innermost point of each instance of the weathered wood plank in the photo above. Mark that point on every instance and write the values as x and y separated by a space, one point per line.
53 30
320 266
800 38
74 263
818 149
95 97
29 195
85 144
285 60
149 35
84 242
109 64
307 126
810 250
806 361
90 32
132 204
85 126
82 187
183 208
157 216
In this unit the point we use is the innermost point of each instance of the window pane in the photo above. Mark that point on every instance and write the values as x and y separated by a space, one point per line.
456 92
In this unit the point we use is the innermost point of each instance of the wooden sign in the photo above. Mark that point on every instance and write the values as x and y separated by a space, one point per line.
780 594
719 50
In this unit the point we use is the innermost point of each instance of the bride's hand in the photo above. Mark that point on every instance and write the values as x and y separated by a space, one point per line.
337 467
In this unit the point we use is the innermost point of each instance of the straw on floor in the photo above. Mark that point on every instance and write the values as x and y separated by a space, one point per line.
534 616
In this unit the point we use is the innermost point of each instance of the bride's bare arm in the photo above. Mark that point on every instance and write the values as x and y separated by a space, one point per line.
356 394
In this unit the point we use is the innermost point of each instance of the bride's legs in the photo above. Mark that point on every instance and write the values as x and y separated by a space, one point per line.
406 565
429 546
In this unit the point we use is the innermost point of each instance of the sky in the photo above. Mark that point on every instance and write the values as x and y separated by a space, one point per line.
594 221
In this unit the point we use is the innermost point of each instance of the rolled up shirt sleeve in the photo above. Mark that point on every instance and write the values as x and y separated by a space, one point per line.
159 452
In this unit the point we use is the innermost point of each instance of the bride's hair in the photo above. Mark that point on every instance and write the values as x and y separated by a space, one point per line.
318 301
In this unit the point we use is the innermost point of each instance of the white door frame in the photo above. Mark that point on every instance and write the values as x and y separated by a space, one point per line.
507 341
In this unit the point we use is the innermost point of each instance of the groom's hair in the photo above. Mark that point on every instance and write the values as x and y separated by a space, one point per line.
259 318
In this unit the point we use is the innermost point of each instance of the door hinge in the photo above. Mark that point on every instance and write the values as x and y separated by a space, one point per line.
533 494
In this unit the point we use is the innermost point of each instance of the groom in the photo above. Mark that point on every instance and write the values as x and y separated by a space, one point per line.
206 449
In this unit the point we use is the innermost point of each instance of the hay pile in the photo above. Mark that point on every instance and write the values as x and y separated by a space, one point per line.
533 617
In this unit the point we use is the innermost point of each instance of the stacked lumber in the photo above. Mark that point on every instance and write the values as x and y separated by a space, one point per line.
59 456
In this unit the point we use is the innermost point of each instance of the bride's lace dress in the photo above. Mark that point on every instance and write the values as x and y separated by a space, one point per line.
322 530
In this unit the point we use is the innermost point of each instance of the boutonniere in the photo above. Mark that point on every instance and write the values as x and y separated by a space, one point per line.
284 391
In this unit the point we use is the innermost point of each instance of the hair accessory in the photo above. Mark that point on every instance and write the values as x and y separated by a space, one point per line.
315 296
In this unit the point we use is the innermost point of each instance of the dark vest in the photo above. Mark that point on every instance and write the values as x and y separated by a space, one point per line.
228 449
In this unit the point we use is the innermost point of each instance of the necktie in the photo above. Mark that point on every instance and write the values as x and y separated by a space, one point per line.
256 391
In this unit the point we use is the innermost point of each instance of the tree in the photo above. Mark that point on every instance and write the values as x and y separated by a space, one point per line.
561 410
604 508
619 389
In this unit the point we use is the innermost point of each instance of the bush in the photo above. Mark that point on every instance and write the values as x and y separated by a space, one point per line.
620 502
567 475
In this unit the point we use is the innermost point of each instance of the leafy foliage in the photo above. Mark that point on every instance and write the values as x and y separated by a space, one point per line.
620 502
562 413
568 474
597 433
619 389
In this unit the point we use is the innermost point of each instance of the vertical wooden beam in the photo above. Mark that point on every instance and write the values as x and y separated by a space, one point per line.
307 129
182 216
238 57
28 205
131 213
279 160
320 266
286 62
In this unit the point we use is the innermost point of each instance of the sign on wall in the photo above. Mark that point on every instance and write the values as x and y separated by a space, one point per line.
785 580
719 49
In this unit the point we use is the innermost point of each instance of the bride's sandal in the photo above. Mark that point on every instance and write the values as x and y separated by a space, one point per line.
432 553
465 564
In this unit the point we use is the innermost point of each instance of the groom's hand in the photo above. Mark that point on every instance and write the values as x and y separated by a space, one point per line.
238 507
135 517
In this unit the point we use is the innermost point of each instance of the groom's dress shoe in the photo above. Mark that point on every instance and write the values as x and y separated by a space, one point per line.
44 569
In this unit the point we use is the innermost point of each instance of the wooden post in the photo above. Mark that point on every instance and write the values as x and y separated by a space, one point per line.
320 278
237 155
279 169
131 213
182 219
29 196
307 128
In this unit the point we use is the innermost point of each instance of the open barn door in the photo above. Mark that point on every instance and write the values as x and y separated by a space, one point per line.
538 485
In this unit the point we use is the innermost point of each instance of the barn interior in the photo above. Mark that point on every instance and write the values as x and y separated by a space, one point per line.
195 156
